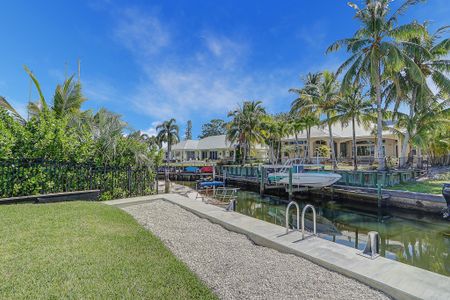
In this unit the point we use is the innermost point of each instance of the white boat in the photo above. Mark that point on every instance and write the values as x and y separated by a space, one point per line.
302 178
312 179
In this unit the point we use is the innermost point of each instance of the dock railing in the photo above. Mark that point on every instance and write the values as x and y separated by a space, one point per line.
360 178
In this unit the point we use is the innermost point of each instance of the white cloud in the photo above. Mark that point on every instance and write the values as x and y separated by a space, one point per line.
210 78
143 34
151 131
100 90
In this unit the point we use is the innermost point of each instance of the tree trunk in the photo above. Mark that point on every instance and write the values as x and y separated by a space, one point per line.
333 153
408 134
166 171
380 152
403 154
297 148
355 160
308 141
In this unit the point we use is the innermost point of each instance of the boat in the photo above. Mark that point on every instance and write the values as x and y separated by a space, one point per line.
303 178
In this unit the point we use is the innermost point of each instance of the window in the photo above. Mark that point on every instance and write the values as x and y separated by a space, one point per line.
204 154
366 150
213 155
190 155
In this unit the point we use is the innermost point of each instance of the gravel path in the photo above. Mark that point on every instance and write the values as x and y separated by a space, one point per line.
235 268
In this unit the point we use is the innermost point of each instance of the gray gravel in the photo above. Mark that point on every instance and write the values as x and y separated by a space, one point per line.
235 268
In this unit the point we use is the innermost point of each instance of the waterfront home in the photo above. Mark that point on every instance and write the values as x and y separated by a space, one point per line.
342 137
212 148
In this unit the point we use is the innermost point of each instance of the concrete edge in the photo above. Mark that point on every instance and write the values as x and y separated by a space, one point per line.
261 240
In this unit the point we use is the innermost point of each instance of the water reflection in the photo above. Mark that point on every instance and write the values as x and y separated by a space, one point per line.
421 241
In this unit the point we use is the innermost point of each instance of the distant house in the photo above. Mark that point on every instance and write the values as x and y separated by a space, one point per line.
211 148
214 148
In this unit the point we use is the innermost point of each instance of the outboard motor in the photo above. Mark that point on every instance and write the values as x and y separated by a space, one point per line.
446 194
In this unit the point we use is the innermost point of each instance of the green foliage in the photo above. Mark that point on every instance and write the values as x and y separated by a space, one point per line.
245 126
85 250
323 151
213 127
188 133
62 148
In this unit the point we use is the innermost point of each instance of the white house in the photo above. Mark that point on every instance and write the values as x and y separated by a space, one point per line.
211 148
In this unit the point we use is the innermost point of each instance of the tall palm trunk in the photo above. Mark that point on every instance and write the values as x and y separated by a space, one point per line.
355 160
404 155
308 142
380 152
166 171
331 142
297 148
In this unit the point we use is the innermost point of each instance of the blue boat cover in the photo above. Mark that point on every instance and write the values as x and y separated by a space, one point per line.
192 169
211 183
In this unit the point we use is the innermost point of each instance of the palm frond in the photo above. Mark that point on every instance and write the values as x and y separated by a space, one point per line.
38 87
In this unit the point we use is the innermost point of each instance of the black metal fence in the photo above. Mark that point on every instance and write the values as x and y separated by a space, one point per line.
22 178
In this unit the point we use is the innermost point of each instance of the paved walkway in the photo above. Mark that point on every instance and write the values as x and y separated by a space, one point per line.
235 268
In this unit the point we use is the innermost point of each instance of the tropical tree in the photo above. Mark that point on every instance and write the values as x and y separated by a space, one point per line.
188 133
303 113
245 126
297 126
430 57
67 99
318 98
376 50
424 124
168 132
107 131
213 127
354 108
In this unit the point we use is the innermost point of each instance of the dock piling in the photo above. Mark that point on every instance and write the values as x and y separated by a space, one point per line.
290 184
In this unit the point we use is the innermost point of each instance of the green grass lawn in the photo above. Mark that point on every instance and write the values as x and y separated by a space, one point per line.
85 250
427 186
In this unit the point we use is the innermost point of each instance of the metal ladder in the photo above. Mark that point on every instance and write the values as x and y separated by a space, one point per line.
303 218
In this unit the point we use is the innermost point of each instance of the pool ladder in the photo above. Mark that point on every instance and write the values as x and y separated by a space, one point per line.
303 217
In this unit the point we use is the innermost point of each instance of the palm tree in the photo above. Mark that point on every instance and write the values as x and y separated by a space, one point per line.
245 127
431 60
67 99
297 126
168 132
107 129
425 121
377 52
319 98
354 108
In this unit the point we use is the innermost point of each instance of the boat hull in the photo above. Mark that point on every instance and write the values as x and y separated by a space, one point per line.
307 179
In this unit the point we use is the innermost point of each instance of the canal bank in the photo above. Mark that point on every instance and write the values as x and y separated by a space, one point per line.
413 237
396 279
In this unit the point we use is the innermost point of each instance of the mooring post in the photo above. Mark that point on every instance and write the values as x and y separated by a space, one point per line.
290 184
261 179
379 185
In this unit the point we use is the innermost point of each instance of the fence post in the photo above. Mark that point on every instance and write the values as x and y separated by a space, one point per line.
129 181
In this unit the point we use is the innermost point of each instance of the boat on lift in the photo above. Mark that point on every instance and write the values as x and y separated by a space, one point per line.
302 177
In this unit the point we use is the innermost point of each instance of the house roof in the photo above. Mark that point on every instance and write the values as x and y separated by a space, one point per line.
186 145
208 143
214 142
338 130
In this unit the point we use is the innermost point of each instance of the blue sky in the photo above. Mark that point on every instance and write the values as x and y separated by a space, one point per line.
152 60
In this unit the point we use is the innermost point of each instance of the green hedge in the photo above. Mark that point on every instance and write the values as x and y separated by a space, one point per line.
22 178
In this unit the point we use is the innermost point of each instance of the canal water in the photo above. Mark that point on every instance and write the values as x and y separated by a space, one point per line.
421 240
